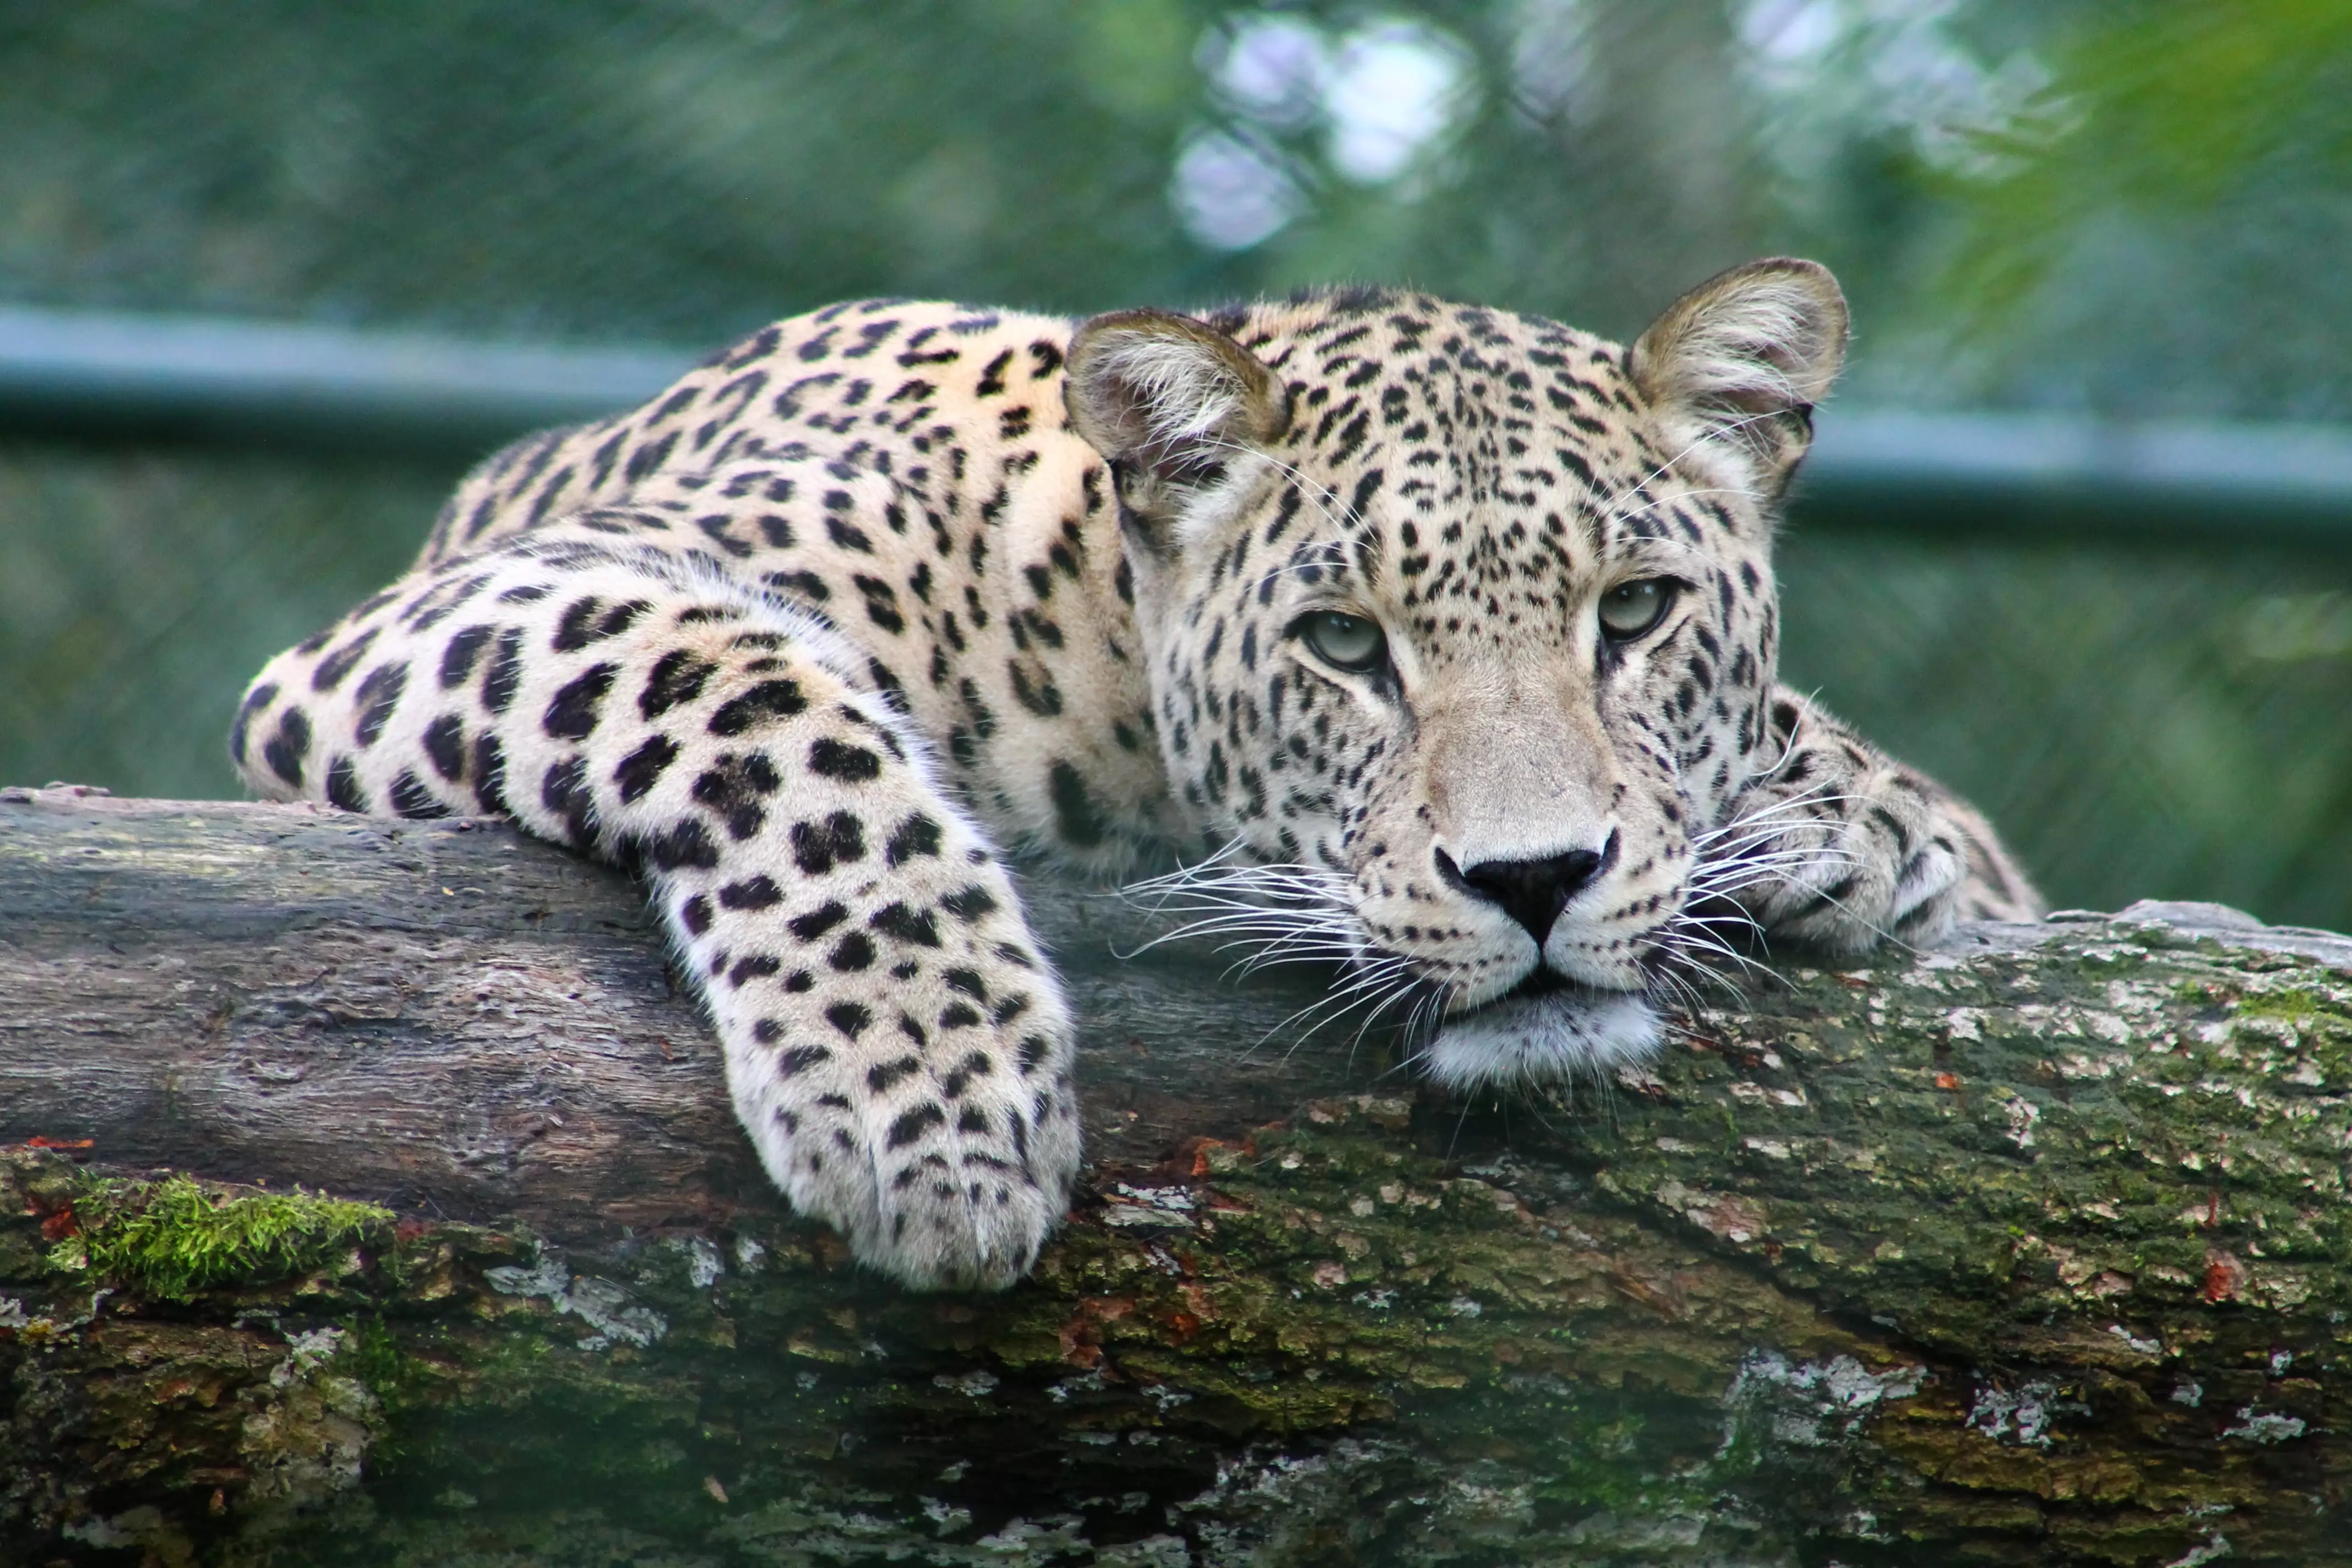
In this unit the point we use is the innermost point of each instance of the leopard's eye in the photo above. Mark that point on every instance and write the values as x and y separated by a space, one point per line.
1343 641
1631 608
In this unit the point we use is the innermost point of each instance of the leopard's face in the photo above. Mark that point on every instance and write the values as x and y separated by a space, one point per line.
1479 644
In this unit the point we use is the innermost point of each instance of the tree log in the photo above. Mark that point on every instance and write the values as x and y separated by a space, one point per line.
2036 1248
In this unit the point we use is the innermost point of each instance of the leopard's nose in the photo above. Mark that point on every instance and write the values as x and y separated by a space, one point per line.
1531 892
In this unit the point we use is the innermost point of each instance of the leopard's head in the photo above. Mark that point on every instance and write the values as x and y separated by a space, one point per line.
1461 629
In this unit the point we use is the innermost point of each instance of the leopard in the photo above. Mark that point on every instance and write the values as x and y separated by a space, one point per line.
1439 641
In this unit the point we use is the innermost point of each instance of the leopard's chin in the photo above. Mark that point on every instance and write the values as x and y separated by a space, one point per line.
1545 1030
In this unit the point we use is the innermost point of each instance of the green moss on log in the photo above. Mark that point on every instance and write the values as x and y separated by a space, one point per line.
169 1239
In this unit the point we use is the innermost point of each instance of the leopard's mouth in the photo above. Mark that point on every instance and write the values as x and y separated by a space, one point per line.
1545 981
1546 1029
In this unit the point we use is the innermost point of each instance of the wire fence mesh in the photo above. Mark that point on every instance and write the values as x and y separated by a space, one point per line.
2144 721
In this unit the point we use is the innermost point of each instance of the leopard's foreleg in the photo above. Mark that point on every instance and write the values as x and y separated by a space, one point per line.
897 1046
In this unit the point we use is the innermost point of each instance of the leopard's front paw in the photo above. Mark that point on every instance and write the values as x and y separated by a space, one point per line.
901 1056
946 1172
1844 870
897 1047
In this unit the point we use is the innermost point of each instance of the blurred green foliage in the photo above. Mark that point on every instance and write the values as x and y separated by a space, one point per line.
2129 207
2166 211
616 168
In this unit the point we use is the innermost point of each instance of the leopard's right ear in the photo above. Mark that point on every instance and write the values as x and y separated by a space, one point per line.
1167 401
1734 367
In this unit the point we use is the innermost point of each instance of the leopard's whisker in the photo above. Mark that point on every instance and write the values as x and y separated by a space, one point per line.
1336 1004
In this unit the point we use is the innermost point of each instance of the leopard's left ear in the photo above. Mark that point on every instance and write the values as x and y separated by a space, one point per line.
1168 401
1734 367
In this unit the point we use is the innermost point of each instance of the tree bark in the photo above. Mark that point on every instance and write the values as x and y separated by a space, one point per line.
2036 1246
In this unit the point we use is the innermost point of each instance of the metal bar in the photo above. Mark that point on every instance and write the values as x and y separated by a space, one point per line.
105 374
2051 473
109 375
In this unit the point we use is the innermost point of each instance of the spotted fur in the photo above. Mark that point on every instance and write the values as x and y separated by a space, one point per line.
815 637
